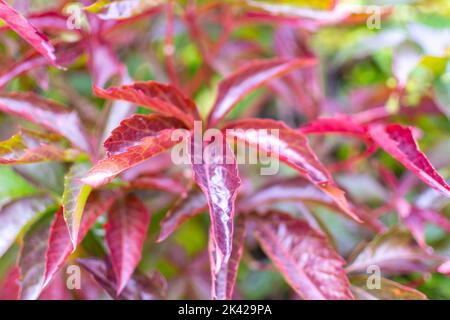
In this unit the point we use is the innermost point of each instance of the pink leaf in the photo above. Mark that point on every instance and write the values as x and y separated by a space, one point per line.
399 142
56 290
66 54
103 62
133 142
394 251
297 189
342 124
185 208
224 275
128 221
290 146
156 96
48 114
9 287
132 130
161 183
216 173
140 287
444 268
59 242
15 215
30 147
305 258
248 78
28 32
32 259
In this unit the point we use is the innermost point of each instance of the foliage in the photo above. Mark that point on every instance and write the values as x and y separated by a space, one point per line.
92 94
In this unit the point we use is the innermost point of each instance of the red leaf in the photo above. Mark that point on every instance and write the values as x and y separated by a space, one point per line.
388 290
156 96
285 190
29 147
345 125
48 114
128 221
56 290
160 183
65 55
415 218
292 147
32 259
137 127
133 142
103 62
140 287
216 173
342 124
224 275
185 208
305 258
248 78
393 252
399 142
59 242
9 288
15 215
51 20
28 32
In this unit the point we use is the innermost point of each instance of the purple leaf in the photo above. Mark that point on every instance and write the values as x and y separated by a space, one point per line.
248 78
140 287
290 146
224 275
27 31
134 141
216 173
48 114
15 215
128 221
399 142
304 257
187 207
59 242
162 98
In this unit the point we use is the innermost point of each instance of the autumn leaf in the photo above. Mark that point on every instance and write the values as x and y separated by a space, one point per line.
28 147
394 251
387 290
48 114
28 32
399 142
304 257
12 223
135 140
59 241
74 199
32 259
164 99
128 221
140 287
185 208
216 173
248 78
224 275
290 146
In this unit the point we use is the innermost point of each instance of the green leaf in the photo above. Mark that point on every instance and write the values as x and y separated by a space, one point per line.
13 186
74 198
